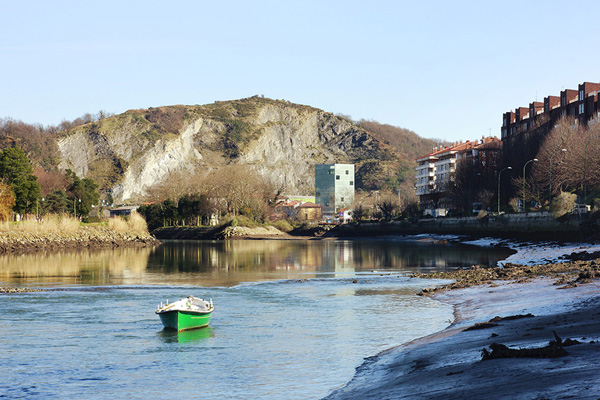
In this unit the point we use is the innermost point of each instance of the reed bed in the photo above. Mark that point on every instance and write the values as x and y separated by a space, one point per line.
51 223
66 224
134 223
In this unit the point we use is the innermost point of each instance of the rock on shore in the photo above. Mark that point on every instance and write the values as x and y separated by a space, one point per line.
240 232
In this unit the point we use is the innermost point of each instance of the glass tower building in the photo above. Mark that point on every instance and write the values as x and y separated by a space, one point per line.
334 186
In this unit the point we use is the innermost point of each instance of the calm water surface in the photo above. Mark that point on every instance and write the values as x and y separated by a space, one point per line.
290 322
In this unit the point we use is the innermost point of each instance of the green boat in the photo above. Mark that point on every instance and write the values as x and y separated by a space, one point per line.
188 313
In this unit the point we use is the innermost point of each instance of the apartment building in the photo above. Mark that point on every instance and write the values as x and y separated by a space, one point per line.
436 171
334 187
524 129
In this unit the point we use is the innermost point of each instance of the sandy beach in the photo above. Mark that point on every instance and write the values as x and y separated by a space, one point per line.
449 365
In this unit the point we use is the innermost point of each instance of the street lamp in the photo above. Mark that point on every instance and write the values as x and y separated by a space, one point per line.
524 166
499 175
550 177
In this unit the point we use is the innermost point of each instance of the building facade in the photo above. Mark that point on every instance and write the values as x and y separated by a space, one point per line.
334 187
436 172
524 129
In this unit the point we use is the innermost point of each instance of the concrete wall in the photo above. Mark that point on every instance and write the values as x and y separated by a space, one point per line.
533 225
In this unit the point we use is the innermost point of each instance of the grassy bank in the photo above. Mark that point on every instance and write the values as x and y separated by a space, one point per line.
62 231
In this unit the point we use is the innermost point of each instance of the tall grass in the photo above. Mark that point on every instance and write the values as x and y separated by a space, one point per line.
118 224
137 223
63 223
51 223
134 223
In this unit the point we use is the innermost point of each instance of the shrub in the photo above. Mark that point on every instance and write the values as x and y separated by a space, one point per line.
283 225
514 204
563 204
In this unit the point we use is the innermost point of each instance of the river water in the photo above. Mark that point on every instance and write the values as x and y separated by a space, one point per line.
292 319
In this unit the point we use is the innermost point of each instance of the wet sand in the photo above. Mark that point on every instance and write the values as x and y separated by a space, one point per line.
448 364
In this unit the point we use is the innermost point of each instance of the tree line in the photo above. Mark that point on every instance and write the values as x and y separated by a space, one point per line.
566 166
21 193
191 199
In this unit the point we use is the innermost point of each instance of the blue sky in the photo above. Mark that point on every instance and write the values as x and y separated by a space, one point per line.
443 69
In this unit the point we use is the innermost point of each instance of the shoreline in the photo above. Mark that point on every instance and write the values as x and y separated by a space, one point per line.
94 237
448 364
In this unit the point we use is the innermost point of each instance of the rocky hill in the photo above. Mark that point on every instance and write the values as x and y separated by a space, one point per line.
128 154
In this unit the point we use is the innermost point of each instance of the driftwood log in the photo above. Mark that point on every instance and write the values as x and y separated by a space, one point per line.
554 349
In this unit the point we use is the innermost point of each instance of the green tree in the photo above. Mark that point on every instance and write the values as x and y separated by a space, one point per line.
56 202
194 209
83 193
153 215
169 212
16 169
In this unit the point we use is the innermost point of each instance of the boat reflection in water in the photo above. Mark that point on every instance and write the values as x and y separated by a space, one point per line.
172 336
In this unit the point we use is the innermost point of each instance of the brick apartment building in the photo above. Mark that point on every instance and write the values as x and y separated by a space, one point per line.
436 172
524 129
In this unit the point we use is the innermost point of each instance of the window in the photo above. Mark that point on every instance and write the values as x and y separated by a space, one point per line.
581 95
337 177
330 172
581 108
342 199
347 172
352 182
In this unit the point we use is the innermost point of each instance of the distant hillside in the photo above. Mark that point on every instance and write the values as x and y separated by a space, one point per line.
407 144
131 153
39 144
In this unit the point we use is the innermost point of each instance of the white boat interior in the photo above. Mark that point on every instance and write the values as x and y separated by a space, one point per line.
189 303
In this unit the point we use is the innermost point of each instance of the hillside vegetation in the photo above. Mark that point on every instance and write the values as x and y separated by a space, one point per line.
131 154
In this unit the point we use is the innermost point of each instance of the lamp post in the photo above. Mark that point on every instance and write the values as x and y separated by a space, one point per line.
499 175
524 166
550 177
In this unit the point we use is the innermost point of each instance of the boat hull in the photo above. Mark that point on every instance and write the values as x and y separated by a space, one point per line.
184 320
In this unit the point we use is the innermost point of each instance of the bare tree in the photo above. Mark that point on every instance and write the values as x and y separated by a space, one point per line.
561 169
387 206
7 200
50 181
236 186
359 213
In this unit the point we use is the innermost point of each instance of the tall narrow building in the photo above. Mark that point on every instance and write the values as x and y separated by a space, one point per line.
334 187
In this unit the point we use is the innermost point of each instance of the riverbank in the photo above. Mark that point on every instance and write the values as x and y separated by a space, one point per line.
537 226
62 232
524 311
235 232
